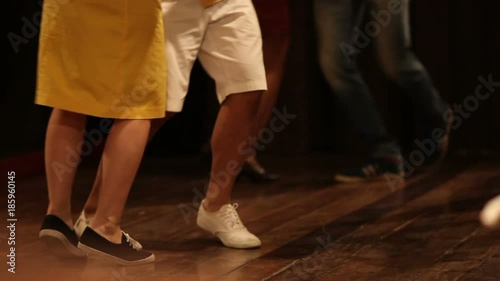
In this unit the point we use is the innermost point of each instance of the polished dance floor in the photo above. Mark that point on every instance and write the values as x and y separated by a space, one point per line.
311 228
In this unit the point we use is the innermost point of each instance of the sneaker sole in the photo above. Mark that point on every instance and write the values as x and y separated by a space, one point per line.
347 179
59 245
243 246
112 259
240 246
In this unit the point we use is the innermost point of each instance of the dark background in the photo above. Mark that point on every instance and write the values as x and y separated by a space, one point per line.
456 40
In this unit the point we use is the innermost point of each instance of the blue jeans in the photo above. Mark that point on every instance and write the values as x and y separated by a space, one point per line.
341 38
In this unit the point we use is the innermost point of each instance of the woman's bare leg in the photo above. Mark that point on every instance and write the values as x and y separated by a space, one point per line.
120 161
62 156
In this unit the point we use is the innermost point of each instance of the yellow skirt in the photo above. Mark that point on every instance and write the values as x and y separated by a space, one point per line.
104 58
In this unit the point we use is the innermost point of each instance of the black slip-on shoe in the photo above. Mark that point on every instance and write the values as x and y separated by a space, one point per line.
59 238
125 253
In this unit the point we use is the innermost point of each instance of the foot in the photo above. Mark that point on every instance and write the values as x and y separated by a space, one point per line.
256 173
490 215
227 226
374 169
124 253
59 238
83 221
441 145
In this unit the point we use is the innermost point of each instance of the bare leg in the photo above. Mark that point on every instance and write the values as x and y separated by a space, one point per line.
62 156
120 162
93 199
235 122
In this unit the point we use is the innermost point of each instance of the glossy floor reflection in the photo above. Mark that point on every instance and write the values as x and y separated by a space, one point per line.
311 228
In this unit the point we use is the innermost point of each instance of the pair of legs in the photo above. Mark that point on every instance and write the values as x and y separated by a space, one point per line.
341 38
87 82
122 154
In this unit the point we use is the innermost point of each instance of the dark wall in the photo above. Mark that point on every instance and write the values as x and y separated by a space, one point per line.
22 123
456 40
474 52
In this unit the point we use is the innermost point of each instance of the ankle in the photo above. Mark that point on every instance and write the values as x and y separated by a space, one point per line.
212 206
107 229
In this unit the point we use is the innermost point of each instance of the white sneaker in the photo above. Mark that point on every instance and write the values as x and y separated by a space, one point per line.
227 226
83 222
490 215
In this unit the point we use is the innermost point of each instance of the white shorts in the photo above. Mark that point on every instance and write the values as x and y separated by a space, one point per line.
225 37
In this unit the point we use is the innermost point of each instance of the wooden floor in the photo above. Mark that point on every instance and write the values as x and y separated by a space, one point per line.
311 228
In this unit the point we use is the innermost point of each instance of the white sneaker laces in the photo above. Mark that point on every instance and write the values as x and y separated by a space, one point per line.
231 218
132 242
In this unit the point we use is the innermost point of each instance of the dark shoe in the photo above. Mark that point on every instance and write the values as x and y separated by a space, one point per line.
59 238
375 169
441 145
256 173
125 253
